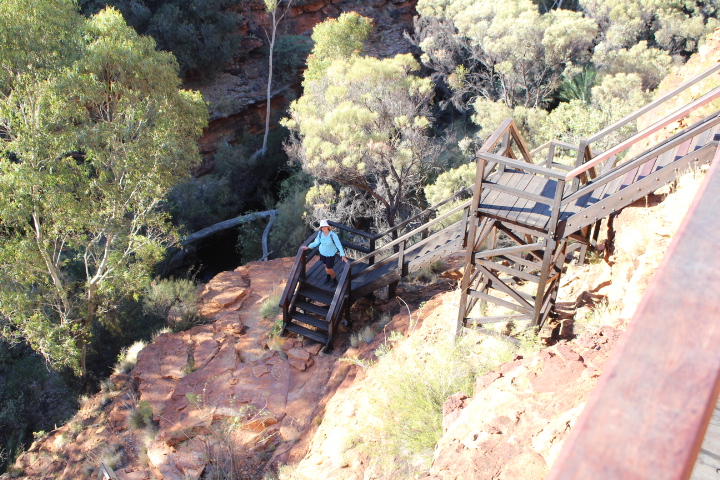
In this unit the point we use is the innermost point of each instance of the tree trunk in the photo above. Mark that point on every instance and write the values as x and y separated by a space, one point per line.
266 234
83 340
219 227
269 84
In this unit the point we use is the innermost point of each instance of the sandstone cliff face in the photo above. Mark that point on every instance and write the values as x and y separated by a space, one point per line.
237 96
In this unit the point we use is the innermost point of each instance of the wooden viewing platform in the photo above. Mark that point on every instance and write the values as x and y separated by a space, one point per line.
547 210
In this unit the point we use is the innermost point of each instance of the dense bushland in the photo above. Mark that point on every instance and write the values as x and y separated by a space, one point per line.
201 34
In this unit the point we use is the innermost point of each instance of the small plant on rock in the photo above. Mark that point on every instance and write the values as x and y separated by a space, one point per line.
271 306
128 358
141 416
368 335
174 300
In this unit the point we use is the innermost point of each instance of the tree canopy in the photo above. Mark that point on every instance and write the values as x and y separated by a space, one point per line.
361 124
92 137
202 34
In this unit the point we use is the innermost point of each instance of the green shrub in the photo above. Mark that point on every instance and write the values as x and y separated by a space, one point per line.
140 416
249 241
173 300
413 385
271 306
290 228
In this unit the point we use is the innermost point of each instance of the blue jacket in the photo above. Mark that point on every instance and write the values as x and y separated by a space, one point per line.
329 244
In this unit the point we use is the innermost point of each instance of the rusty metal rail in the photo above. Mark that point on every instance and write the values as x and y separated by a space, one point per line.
648 414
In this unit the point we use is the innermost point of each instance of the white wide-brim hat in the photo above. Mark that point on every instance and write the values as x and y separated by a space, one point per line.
323 223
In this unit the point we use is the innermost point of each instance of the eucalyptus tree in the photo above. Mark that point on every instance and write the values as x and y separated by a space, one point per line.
362 125
507 51
94 131
272 7
364 128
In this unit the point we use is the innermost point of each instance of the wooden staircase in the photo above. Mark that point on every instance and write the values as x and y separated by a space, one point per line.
545 211
313 309
310 307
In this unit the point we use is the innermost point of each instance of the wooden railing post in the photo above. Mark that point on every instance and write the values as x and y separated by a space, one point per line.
371 246
401 258
464 226
424 233
303 263
579 161
550 156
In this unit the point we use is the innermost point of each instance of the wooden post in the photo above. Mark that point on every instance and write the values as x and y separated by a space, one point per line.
503 148
464 227
392 289
550 156
401 259
550 245
107 472
303 262
474 220
559 265
371 261
578 162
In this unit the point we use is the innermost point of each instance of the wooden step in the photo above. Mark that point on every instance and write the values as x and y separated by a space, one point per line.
311 307
315 294
310 320
306 332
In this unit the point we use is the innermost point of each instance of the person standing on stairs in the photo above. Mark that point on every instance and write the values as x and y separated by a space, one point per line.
329 247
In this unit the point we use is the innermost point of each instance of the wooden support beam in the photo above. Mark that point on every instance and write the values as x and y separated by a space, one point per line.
509 270
501 286
503 251
496 319
499 301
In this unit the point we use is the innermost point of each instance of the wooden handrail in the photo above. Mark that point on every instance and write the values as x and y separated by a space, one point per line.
648 413
557 143
354 231
415 231
660 124
396 256
300 259
427 211
528 167
620 123
669 144
496 136
338 300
